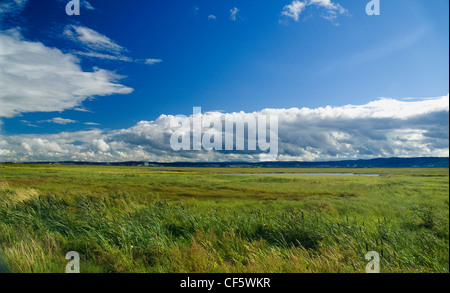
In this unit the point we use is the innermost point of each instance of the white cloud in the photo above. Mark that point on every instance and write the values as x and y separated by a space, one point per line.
101 145
36 78
105 56
96 45
382 128
87 5
92 39
61 121
28 123
212 17
11 7
153 61
233 13
196 11
294 9
328 4
297 7
82 109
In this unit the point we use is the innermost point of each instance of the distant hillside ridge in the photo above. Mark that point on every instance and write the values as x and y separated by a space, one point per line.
426 162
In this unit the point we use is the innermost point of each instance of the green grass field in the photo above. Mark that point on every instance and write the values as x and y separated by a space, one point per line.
136 219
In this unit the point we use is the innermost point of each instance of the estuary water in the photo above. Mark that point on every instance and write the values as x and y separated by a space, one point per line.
301 174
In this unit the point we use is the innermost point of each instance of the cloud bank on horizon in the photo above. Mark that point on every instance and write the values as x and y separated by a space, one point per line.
382 128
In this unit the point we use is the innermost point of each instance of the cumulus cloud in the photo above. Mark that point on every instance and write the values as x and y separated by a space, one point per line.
328 4
382 128
294 9
36 78
297 7
101 145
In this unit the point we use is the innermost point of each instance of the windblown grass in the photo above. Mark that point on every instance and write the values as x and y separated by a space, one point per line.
191 220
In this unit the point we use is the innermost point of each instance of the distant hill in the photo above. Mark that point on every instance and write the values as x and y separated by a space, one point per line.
431 162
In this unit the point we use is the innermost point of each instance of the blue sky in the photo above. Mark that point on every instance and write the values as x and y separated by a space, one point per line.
229 56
